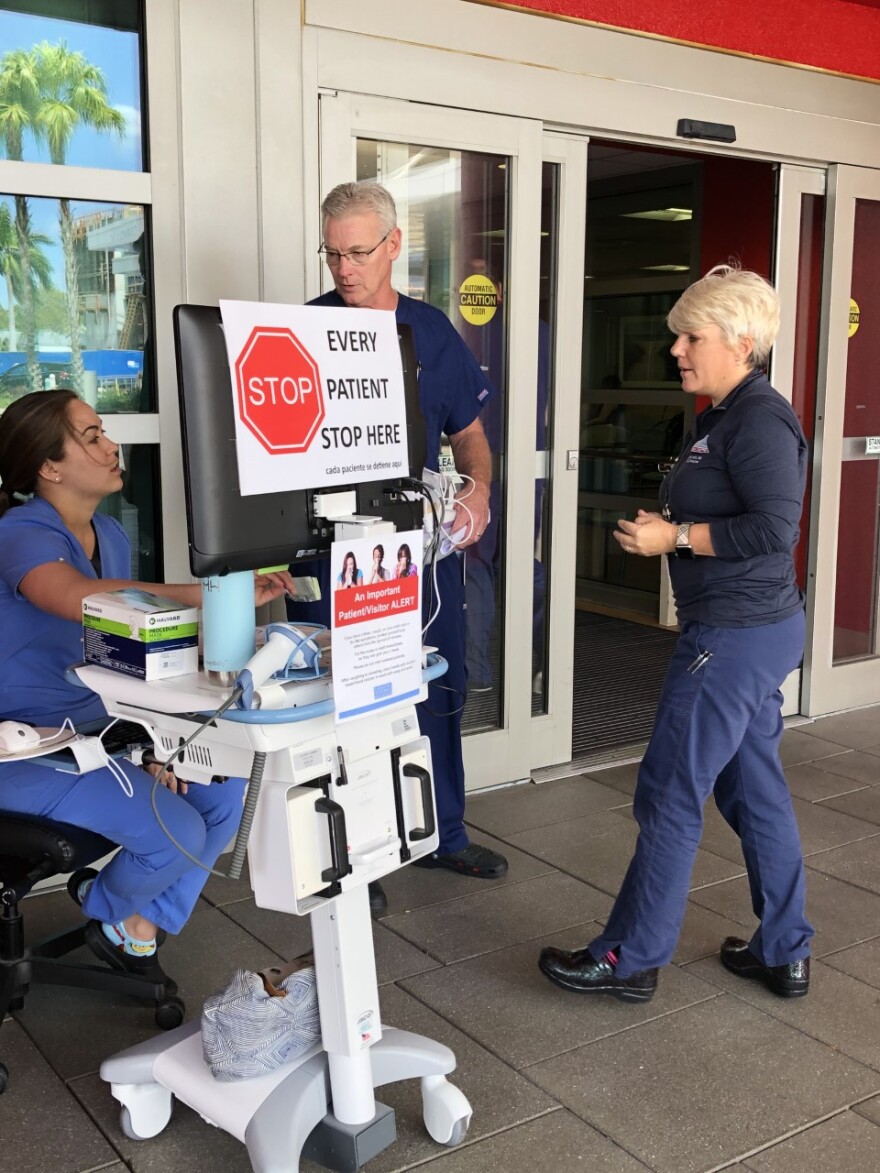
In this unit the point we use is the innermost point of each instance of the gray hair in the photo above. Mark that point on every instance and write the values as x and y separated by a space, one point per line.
354 199
740 303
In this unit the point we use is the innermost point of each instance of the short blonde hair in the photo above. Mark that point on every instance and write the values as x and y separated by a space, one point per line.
740 303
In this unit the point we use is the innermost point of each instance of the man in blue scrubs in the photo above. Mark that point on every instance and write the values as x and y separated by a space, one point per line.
361 241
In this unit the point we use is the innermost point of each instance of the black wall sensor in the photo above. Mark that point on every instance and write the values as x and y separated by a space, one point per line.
718 131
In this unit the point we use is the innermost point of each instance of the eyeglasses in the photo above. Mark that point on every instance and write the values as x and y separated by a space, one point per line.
357 256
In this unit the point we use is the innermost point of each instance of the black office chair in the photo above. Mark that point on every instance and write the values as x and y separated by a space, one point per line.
33 849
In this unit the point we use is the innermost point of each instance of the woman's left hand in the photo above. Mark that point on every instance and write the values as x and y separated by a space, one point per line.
648 535
166 777
271 586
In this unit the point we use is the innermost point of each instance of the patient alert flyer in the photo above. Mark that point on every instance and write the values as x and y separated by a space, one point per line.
376 620
317 394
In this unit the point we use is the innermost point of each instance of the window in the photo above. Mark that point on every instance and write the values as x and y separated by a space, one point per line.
75 308
73 305
70 82
453 209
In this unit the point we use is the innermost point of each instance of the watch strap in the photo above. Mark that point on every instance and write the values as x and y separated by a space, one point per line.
683 547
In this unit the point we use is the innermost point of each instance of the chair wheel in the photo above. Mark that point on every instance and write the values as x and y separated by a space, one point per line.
170 1013
75 879
4 1078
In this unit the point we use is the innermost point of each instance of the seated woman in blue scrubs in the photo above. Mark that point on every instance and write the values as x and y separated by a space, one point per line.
56 466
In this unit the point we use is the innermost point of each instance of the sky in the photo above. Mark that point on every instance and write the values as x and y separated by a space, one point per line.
116 55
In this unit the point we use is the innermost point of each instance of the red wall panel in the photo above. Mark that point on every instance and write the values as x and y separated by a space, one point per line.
842 36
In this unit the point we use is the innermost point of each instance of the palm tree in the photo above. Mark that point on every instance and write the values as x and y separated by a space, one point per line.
39 268
72 93
8 257
19 95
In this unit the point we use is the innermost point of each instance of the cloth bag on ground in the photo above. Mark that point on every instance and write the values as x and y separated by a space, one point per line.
261 1020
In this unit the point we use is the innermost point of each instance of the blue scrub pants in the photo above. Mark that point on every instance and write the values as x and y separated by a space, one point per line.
149 875
717 730
440 714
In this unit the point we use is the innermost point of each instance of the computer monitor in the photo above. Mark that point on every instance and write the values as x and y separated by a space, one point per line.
229 532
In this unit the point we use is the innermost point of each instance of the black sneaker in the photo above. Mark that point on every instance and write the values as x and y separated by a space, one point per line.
473 860
147 967
580 971
786 981
76 879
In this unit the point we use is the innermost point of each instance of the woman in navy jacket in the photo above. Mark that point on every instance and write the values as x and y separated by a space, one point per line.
729 523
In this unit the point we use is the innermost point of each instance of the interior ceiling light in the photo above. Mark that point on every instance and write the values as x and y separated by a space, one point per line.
666 268
671 215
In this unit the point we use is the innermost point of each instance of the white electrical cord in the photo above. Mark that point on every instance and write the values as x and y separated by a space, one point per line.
460 502
66 724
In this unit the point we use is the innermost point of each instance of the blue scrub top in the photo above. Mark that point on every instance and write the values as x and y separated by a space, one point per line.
37 648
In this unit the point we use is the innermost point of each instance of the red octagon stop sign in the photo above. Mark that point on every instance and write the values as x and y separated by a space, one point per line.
278 386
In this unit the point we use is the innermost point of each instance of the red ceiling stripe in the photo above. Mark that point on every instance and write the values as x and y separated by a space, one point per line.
842 36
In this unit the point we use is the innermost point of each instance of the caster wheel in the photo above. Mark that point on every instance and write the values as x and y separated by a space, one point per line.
75 879
4 1078
169 1014
446 1111
127 1127
145 1109
459 1132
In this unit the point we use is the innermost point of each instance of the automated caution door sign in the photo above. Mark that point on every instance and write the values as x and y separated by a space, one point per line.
854 315
317 395
477 299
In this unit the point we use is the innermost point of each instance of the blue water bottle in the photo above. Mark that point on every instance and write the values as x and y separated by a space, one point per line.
228 629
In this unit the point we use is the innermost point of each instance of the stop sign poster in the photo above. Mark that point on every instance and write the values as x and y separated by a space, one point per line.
317 393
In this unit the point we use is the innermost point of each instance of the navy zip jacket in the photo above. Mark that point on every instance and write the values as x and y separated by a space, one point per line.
742 469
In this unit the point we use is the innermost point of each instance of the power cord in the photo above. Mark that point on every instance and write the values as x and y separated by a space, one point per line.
250 805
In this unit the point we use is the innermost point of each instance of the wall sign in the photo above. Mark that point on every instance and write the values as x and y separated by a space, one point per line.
854 315
375 614
477 299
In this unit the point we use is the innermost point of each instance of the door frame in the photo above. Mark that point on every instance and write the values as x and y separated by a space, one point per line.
827 687
794 183
522 742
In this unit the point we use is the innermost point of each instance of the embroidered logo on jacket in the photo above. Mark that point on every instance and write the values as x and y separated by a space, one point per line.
699 449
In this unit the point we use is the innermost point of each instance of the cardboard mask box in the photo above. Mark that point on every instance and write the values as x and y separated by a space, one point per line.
141 634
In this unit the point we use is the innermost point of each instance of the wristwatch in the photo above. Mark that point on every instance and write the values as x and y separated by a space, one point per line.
683 547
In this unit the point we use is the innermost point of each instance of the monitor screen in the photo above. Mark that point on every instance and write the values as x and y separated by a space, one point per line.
229 532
